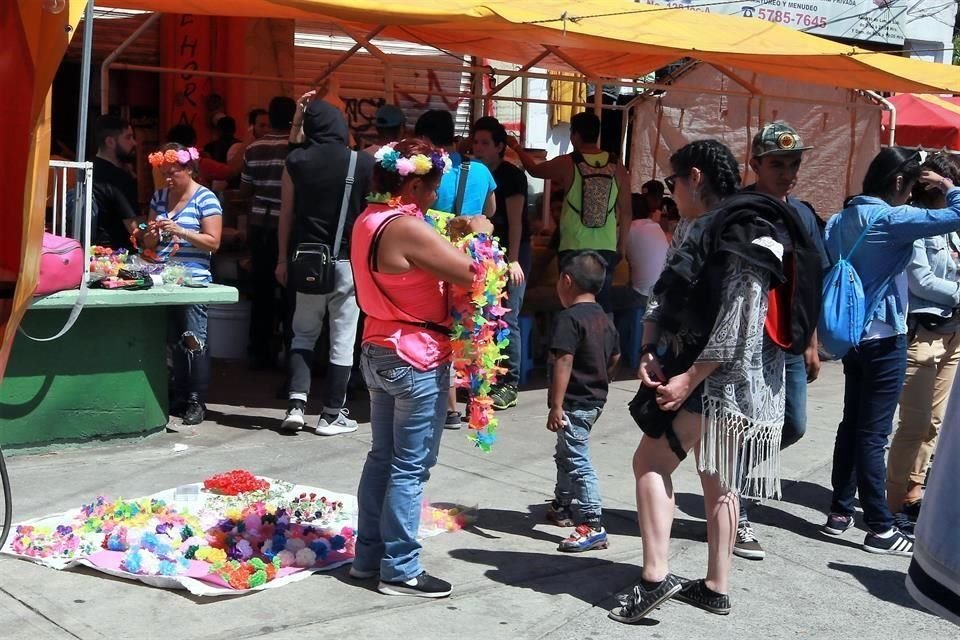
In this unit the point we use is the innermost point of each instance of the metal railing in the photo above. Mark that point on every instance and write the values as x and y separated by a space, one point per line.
71 202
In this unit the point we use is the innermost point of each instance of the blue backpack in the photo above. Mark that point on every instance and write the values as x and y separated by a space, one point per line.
844 314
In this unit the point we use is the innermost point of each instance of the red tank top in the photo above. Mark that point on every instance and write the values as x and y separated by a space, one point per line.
398 306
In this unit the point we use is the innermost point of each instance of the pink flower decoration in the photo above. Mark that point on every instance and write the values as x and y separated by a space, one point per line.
183 156
194 154
405 166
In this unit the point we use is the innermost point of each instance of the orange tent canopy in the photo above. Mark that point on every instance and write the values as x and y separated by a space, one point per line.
601 38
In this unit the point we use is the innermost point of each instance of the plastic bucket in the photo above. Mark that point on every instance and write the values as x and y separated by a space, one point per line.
228 330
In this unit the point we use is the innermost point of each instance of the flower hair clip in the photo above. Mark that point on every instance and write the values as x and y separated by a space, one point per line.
419 164
173 156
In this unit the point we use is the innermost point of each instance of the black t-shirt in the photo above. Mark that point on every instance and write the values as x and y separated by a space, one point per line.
511 181
585 331
115 194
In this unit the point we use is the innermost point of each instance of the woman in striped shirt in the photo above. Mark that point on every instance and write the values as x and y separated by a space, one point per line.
186 222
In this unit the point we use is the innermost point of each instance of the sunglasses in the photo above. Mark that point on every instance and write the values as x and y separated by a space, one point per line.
671 181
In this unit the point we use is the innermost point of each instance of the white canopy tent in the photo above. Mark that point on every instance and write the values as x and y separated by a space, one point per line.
842 125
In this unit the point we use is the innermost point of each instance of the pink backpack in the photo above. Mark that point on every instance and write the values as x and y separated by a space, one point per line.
61 265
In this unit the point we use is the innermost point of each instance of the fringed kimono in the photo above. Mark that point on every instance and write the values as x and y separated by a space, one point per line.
710 305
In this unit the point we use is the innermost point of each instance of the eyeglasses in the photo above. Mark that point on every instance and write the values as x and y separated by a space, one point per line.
671 182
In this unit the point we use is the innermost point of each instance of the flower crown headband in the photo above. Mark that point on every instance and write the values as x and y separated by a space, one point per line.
419 164
173 156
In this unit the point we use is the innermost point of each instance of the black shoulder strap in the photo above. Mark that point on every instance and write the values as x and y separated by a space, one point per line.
373 258
345 204
461 186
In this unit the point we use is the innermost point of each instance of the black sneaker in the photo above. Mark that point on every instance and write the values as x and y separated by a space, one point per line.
747 546
636 604
453 420
195 411
423 586
903 522
504 397
912 510
896 544
699 595
837 524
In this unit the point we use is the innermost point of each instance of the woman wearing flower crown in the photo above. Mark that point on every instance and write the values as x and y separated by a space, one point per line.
402 266
184 229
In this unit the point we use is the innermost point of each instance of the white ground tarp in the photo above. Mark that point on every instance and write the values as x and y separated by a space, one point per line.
842 125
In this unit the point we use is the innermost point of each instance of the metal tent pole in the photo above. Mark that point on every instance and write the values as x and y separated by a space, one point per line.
85 63
86 60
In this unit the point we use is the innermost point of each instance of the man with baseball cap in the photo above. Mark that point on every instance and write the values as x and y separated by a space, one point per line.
390 123
777 154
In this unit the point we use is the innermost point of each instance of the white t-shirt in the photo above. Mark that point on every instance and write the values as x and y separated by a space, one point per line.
646 253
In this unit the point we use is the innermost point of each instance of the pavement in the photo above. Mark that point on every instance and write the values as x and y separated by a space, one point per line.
509 579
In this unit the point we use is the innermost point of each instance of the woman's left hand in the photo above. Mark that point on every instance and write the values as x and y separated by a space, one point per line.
672 395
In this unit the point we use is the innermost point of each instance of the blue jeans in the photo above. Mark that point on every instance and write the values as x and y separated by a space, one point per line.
795 412
576 477
190 356
514 302
407 409
874 373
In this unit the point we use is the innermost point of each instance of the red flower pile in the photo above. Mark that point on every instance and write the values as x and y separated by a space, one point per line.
234 483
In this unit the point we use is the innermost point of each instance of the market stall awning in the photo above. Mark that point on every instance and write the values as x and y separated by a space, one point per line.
603 38
926 121
33 44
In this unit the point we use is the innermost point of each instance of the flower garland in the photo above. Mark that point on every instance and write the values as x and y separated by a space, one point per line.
419 164
173 156
478 335
232 483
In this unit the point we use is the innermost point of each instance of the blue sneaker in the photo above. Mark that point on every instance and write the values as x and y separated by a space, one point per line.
585 538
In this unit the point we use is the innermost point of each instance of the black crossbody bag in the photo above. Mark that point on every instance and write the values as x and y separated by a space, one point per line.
313 269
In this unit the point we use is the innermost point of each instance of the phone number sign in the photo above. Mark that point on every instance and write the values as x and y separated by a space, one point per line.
864 20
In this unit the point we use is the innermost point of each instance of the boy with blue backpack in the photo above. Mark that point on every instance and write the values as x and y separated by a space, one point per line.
863 321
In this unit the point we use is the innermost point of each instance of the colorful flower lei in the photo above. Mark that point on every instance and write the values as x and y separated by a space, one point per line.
478 335
232 483
173 156
418 164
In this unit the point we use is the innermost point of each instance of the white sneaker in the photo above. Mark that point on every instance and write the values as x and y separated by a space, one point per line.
334 426
293 421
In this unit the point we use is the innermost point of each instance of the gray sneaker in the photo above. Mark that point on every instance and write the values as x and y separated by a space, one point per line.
334 425
293 421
